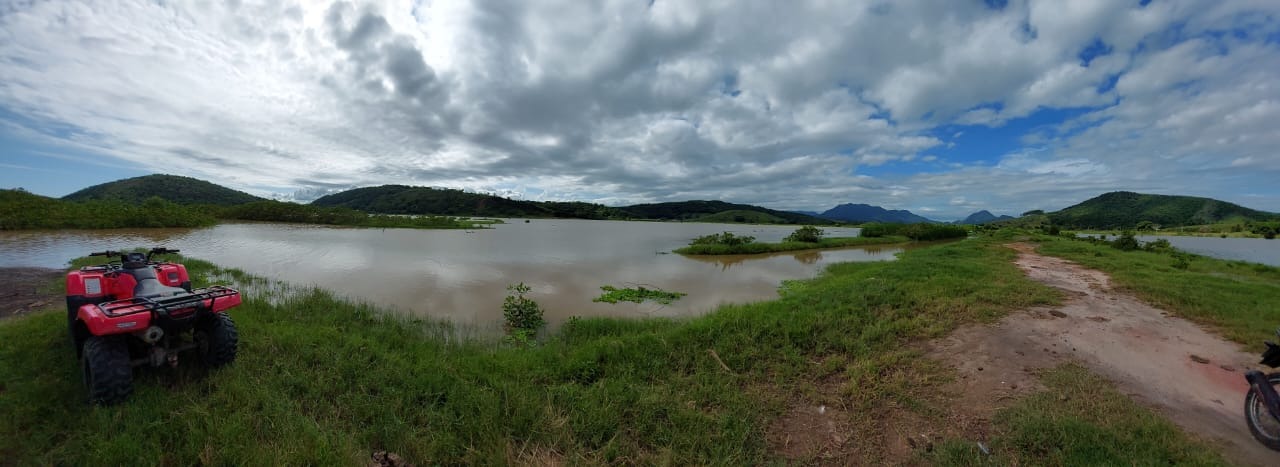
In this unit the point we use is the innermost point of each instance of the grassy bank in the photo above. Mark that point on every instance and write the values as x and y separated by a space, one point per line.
762 247
1241 300
325 381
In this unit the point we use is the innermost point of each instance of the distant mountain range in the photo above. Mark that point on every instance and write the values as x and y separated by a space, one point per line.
861 213
982 217
1111 210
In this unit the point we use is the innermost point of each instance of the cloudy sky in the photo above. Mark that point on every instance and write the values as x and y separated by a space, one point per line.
940 107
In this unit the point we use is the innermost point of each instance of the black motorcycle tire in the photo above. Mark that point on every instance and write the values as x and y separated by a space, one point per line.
1255 410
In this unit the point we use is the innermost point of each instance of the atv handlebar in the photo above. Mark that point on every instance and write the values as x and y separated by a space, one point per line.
121 254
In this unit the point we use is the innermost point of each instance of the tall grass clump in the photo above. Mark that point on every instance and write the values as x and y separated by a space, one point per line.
920 231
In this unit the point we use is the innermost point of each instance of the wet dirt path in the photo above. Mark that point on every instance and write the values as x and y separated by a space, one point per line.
24 290
1192 377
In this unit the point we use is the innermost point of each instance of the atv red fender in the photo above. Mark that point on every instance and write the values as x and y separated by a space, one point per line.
135 314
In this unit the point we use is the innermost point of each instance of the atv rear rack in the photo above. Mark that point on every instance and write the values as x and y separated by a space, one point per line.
196 298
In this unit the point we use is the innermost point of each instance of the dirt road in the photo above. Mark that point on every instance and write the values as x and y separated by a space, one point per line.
1189 375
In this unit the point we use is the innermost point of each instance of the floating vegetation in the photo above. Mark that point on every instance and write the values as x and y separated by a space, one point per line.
636 295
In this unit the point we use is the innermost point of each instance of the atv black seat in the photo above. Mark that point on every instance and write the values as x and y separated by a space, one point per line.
149 286
135 261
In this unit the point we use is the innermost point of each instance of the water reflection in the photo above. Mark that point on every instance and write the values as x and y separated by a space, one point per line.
1256 250
462 276
809 257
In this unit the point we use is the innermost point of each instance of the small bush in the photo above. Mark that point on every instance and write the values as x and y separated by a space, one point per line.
1158 246
806 234
1181 260
1126 242
726 238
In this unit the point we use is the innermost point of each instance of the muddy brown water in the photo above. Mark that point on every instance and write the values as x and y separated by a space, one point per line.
461 276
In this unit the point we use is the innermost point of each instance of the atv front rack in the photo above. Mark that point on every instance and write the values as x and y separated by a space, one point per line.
196 299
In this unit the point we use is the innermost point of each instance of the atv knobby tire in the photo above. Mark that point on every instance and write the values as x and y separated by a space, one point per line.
107 373
216 338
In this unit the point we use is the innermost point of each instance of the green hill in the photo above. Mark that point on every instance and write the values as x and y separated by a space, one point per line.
401 199
697 210
22 210
742 216
178 189
1123 209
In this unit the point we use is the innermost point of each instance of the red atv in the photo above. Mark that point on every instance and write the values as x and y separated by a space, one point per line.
136 312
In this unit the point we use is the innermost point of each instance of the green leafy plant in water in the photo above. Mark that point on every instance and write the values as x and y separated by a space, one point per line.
523 315
636 295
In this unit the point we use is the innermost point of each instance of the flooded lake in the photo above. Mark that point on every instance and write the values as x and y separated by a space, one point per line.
1257 250
461 276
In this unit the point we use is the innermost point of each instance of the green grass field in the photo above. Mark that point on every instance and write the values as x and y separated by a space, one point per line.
325 381
1080 420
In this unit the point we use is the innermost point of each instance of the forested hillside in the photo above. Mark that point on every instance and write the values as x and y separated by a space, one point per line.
22 210
1123 209
181 190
